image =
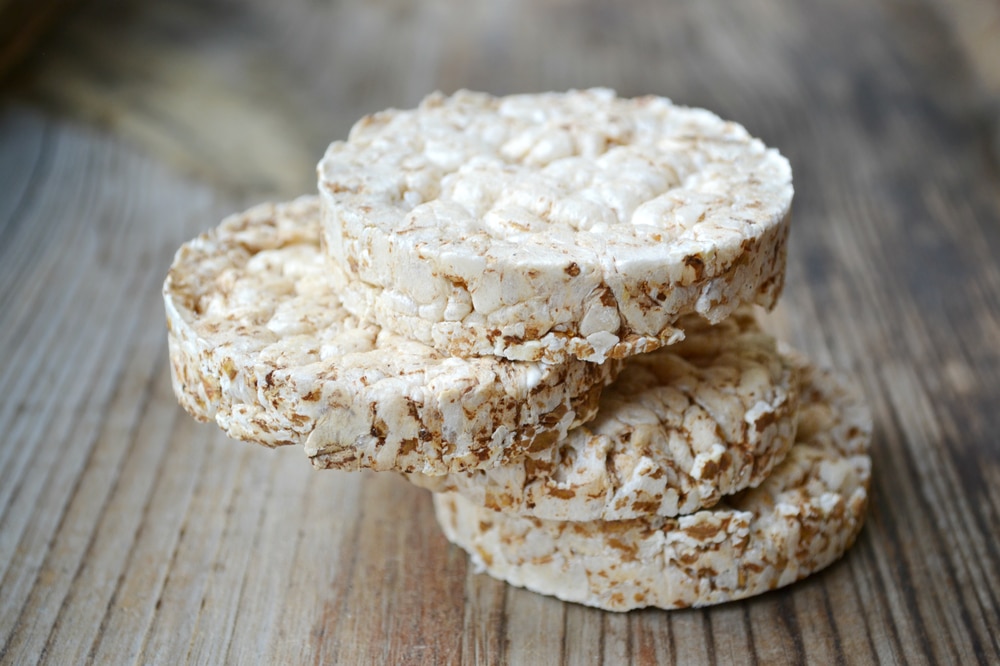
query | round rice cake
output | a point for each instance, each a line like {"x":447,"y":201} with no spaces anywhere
{"x":680,"y":428}
{"x":260,"y":342}
{"x":800,"y":519}
{"x":536,"y":226}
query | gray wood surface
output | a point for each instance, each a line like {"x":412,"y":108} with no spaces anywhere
{"x":131,"y":534}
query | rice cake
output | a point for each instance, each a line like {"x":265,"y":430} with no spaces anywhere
{"x":802,"y":518}
{"x":680,"y":428}
{"x":260,"y":343}
{"x":546,"y":225}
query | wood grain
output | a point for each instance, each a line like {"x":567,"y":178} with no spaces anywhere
{"x":131,"y":534}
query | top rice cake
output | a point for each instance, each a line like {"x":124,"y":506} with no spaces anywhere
{"x":539,"y":226}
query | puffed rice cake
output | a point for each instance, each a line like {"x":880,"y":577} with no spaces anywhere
{"x":545,"y":225}
{"x":680,"y":427}
{"x":799,"y":520}
{"x":260,"y":343}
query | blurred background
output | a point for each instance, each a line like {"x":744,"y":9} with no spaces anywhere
{"x":247,"y":93}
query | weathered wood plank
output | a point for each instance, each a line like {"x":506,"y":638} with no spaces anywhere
{"x":535,"y":630}
{"x":78,"y":406}
{"x":267,"y":576}
{"x":483,"y":624}
{"x":136,"y":600}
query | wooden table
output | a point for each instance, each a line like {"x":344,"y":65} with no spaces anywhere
{"x":130,"y":533}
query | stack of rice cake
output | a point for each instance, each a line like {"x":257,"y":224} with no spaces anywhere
{"x":541,"y":308}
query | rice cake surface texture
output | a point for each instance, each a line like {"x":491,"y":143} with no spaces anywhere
{"x":680,"y":427}
{"x":800,"y":519}
{"x":260,"y":342}
{"x":536,"y":226}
